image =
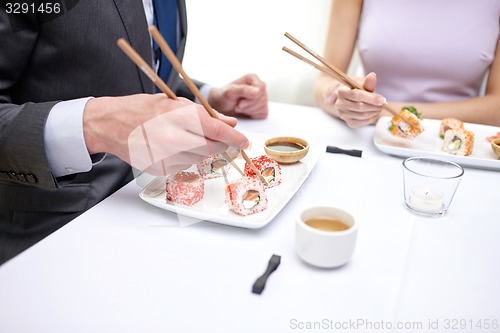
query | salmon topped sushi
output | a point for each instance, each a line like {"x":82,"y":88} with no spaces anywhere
{"x":449,"y":123}
{"x":246,"y":196}
{"x":268,"y":167}
{"x":399,"y":127}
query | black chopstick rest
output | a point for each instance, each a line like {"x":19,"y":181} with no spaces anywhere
{"x":350,"y":152}
{"x":259,"y":285}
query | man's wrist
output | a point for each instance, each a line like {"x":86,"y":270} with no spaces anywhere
{"x":205,"y":92}
{"x":64,"y":139}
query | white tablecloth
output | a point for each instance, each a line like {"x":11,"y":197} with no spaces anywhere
{"x":126,"y":266}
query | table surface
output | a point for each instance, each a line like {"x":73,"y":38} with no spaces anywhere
{"x":126,"y":266}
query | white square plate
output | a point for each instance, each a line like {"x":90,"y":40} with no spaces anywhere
{"x":212,"y":207}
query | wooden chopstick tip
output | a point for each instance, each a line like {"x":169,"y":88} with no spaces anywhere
{"x":152,"y":28}
{"x":121,"y":42}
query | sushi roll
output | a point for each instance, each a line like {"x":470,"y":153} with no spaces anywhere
{"x":246,"y":196}
{"x":186,"y":188}
{"x":449,"y":123}
{"x":268,"y":167}
{"x":458,"y":142}
{"x":213,"y":166}
{"x":399,"y":127}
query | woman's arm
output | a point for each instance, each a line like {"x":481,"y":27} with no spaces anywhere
{"x":358,"y":108}
{"x":339,"y":48}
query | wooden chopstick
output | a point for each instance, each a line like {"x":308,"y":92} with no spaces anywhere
{"x":146,"y":69}
{"x":343,"y":76}
{"x":165,"y":48}
{"x":335,"y":72}
{"x":315,"y":65}
{"x":157,"y":80}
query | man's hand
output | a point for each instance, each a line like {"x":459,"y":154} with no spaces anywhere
{"x":155,"y":133}
{"x":245,"y":96}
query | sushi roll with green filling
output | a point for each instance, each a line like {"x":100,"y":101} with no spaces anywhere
{"x":212,"y":166}
{"x":458,"y":142}
{"x":246,"y":196}
{"x":268,"y":168}
{"x":398,"y":127}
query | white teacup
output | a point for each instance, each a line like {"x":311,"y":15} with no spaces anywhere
{"x":325,"y":236}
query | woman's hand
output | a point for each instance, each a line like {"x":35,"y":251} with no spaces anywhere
{"x":356,"y":107}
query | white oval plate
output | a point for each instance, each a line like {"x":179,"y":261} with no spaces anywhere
{"x":430,"y":144}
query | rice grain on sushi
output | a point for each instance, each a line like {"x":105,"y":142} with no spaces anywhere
{"x":458,"y":142}
{"x":186,"y":188}
{"x":246,"y":196}
{"x":268,"y":167}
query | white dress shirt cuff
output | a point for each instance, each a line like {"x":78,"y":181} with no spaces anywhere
{"x":64,"y":140}
{"x":205,"y":92}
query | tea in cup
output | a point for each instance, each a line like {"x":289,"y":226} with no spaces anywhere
{"x":325,"y":236}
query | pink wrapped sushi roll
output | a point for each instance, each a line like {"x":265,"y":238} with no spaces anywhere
{"x":186,"y":188}
{"x":212,"y":166}
{"x":246,"y":196}
{"x":268,"y":167}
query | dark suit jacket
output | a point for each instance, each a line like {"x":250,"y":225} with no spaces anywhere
{"x":49,"y":58}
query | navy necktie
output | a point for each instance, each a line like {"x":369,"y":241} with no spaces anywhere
{"x":166,"y":22}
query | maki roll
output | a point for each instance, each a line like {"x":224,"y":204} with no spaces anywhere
{"x":212,"y":166}
{"x":458,"y":142}
{"x":186,"y":188}
{"x":268,"y":167}
{"x":246,"y":196}
{"x":449,"y":123}
{"x":399,"y":127}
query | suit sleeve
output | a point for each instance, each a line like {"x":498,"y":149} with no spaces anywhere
{"x":183,"y":90}
{"x":22,"y":153}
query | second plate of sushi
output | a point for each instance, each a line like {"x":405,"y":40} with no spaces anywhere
{"x":464,"y":143}
{"x":201,"y":192}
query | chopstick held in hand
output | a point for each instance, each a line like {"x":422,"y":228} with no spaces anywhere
{"x":157,"y":80}
{"x":162,"y":43}
{"x":335,"y":72}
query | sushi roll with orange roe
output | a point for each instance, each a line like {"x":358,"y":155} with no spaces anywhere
{"x":246,"y":196}
{"x":449,"y":123}
{"x":186,"y":188}
{"x":399,"y":127}
{"x":268,"y":167}
{"x":458,"y":142}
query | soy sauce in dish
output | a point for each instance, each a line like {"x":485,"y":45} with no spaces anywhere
{"x":285,"y":146}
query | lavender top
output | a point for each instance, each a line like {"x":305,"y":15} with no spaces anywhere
{"x":428,"y":50}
